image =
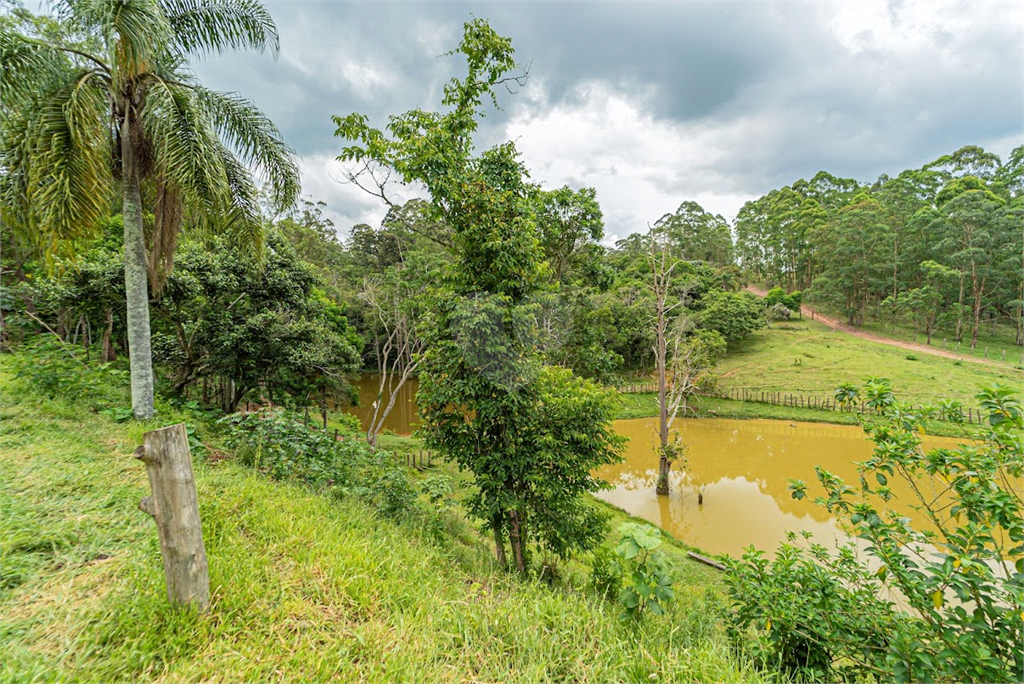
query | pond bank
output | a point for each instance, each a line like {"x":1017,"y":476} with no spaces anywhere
{"x":646,"y":406}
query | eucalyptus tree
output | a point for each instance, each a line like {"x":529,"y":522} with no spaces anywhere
{"x":107,"y":103}
{"x":698,"y":235}
{"x":970,"y":216}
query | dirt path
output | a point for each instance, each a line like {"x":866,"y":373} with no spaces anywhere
{"x":850,"y":330}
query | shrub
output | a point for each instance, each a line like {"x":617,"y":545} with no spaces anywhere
{"x":961,"y":581}
{"x":606,"y":572}
{"x":56,"y":369}
{"x":779,"y":312}
{"x":277,"y":442}
{"x":348,"y":424}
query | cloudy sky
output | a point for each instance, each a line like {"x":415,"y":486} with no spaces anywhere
{"x":653,"y":104}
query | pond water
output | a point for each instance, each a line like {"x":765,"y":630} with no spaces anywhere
{"x":402,"y":419}
{"x":742,"y":467}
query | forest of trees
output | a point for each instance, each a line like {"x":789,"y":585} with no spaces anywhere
{"x":939,"y":245}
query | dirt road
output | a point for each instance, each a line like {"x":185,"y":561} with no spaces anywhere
{"x":856,"y":332}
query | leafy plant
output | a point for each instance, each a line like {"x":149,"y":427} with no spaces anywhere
{"x":278,"y":443}
{"x":846,"y":394}
{"x":648,"y":577}
{"x":57,"y":369}
{"x":438,"y":490}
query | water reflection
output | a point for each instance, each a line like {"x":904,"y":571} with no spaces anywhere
{"x":742,"y":467}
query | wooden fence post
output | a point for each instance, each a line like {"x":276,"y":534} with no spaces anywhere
{"x":174,"y":506}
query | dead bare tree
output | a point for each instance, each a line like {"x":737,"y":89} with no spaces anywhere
{"x":668,"y":296}
{"x":396,"y":343}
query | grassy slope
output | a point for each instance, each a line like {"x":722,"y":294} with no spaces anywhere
{"x":305,"y":587}
{"x":808,"y":358}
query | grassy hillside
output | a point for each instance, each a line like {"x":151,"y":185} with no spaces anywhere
{"x":808,"y":358}
{"x":306,"y":587}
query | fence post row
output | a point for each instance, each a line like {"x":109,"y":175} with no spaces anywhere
{"x":781,"y":399}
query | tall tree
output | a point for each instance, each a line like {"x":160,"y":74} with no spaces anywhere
{"x":663,"y":265}
{"x":697,"y":235}
{"x":531,"y":434}
{"x":971,"y":215}
{"x":568,"y":221}
{"x":109,"y":102}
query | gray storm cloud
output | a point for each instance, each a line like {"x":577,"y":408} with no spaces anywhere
{"x":657,"y":103}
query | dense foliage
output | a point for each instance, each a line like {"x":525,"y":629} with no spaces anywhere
{"x":99,"y":98}
{"x":939,"y":245}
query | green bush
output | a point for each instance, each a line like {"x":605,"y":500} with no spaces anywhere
{"x":277,"y":442}
{"x":348,"y":424}
{"x":648,"y":577}
{"x":606,"y":572}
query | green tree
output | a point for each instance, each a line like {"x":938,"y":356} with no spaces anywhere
{"x":853,"y":267}
{"x":531,"y":434}
{"x":697,"y":235}
{"x":969,"y":214}
{"x":109,"y":101}
{"x":568,"y":221}
{"x":235,"y":325}
{"x":732,"y":314}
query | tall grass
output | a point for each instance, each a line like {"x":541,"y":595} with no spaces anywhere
{"x":305,"y":587}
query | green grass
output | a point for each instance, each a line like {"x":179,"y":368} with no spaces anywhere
{"x":806,"y":357}
{"x":996,"y":344}
{"x":305,"y":587}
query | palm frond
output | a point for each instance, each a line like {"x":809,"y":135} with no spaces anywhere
{"x":15,"y":162}
{"x":168,"y":209}
{"x":63,"y":160}
{"x":256,"y":140}
{"x":214,"y":184}
{"x":202,"y":26}
{"x":242,"y":220}
{"x":26,"y":63}
{"x":136,"y":31}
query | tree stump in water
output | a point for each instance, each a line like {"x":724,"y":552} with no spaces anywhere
{"x":175,"y":508}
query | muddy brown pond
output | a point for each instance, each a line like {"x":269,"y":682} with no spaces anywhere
{"x":742,"y":468}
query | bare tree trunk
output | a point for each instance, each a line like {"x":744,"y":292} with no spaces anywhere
{"x":662,"y":486}
{"x":109,"y":353}
{"x":136,"y":281}
{"x":978,"y":289}
{"x":174,"y":506}
{"x":959,"y":332}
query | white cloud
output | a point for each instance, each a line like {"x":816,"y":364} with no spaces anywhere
{"x":642,"y":167}
{"x":323,"y":179}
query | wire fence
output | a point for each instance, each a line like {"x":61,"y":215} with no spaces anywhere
{"x":797,"y":400}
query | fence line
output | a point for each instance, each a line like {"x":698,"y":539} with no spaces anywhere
{"x":794,"y":400}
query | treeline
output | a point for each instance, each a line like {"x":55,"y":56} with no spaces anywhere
{"x":939,"y":246}
{"x":595,"y":307}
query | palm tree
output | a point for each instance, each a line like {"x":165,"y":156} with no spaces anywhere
{"x":101,"y":99}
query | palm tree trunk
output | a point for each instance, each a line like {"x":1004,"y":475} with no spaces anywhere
{"x":136,"y":282}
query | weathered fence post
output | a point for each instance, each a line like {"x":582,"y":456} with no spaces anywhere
{"x":175,"y":508}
